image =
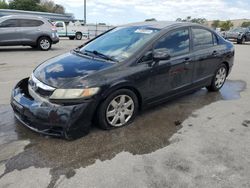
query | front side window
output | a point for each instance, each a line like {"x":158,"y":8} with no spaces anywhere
{"x":177,"y":42}
{"x":59,"y":24}
{"x":122,"y":42}
{"x":10,"y":23}
{"x":202,"y":38}
{"x":30,"y":23}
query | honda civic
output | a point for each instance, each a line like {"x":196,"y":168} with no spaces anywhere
{"x":112,"y":77}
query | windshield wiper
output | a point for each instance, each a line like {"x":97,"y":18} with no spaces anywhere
{"x":99,"y":54}
{"x":78,"y":51}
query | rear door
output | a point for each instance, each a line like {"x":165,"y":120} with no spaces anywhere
{"x":10,"y":32}
{"x":30,"y":30}
{"x":208,"y":54}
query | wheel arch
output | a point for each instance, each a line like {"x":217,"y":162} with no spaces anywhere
{"x":227,"y":65}
{"x":45,"y":35}
{"x":123,"y":86}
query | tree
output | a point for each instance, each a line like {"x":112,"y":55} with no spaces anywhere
{"x":216,"y":24}
{"x":50,"y":6}
{"x":36,"y":5}
{"x":150,"y":19}
{"x":3,"y":4}
{"x":245,"y":24}
{"x":30,"y":5}
{"x":194,"y":20}
{"x":226,"y":25}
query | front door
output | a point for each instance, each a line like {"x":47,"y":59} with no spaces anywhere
{"x":170,"y":76}
{"x":9,"y":32}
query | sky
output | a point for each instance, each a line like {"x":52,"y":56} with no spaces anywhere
{"x":126,"y":11}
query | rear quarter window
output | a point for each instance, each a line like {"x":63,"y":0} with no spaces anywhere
{"x":202,"y":38}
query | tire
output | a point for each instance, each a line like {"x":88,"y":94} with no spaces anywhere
{"x":78,"y":36}
{"x":44,"y":43}
{"x":71,"y":38}
{"x":219,"y":78}
{"x":241,"y":41}
{"x":122,"y":115}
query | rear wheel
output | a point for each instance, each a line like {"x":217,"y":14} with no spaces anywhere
{"x":219,"y":78}
{"x":44,"y":43}
{"x":78,"y":36}
{"x":119,"y":109}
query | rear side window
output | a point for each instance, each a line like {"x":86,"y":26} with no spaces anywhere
{"x":177,"y":42}
{"x":10,"y":23}
{"x":202,"y":38}
{"x":30,"y":23}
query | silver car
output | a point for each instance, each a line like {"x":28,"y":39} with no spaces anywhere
{"x":33,"y":31}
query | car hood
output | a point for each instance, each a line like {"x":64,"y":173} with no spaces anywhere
{"x":69,"y":70}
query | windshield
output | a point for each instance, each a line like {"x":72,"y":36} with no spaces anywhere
{"x":121,"y":43}
{"x":238,"y":30}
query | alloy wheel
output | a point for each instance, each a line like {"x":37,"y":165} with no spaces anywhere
{"x":120,"y":110}
{"x":45,"y":44}
{"x":220,"y":77}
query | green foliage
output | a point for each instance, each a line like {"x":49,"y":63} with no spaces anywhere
{"x":245,"y":24}
{"x":194,"y":20}
{"x":150,"y":19}
{"x":3,"y":4}
{"x":33,"y":5}
{"x":216,"y":24}
{"x":226,"y":25}
{"x":30,"y":5}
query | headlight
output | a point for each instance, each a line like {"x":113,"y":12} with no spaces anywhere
{"x":74,"y":93}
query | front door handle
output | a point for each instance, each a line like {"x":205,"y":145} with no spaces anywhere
{"x":215,"y":53}
{"x":187,"y":61}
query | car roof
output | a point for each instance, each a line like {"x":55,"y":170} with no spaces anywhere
{"x":159,"y":24}
{"x":23,"y":17}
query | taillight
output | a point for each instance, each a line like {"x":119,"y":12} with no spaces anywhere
{"x":53,"y":28}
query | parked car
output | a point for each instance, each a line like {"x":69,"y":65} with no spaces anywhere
{"x":239,"y":34}
{"x":110,"y":78}
{"x":36,"y":32}
{"x":77,"y":30}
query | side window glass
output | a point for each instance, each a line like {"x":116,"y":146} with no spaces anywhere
{"x":59,"y":24}
{"x":177,"y":42}
{"x":202,"y":38}
{"x":30,"y":23}
{"x":9,"y":23}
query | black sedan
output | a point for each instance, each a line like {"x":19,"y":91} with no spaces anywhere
{"x":110,"y":78}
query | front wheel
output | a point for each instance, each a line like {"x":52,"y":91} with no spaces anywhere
{"x":119,"y":109}
{"x":219,"y":78}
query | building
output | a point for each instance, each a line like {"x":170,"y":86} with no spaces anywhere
{"x":52,"y":16}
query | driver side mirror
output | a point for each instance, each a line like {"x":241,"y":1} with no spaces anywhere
{"x":161,"y":54}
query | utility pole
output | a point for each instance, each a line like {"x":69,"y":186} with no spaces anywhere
{"x":85,"y":13}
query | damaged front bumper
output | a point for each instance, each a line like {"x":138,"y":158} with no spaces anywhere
{"x":60,"y":120}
